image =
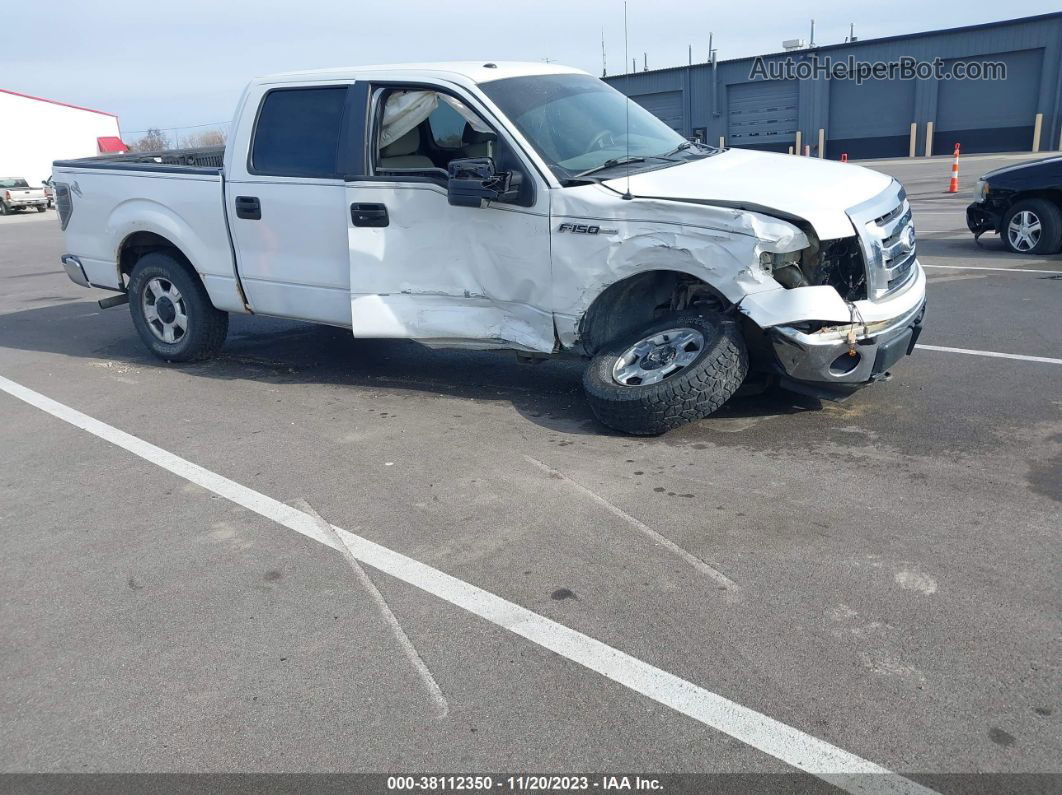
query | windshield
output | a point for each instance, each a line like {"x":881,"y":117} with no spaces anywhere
{"x":577,"y":123}
{"x":13,"y":183}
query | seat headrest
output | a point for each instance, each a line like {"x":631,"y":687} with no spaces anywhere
{"x":472,"y":136}
{"x":406,"y":145}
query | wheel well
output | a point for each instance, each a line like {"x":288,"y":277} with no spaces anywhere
{"x":1050,"y":194}
{"x":138,"y":244}
{"x":638,"y":300}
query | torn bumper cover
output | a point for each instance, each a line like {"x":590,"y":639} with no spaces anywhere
{"x":981,"y":219}
{"x":827,"y":364}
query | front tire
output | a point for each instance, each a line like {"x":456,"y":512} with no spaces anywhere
{"x":172,"y":312}
{"x":1033,"y":226}
{"x":677,"y":370}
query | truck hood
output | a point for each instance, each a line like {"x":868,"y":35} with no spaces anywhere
{"x":817,"y":191}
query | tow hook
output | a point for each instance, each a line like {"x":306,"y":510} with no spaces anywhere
{"x":850,"y":338}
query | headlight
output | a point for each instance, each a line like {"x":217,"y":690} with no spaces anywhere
{"x":981,"y":190}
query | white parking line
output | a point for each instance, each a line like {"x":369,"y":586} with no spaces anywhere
{"x":985,"y":268}
{"x":993,"y":354}
{"x":783,"y":742}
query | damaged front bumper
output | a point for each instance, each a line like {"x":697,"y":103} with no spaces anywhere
{"x":829,"y":364}
{"x":980,"y":219}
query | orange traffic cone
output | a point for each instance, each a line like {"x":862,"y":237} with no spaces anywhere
{"x":953,"y":186}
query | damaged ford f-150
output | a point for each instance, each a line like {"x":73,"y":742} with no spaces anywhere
{"x":529,"y":207}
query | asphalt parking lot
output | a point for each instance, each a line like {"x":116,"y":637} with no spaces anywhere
{"x":883,"y":574}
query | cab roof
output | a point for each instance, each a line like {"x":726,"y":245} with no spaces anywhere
{"x":474,"y":71}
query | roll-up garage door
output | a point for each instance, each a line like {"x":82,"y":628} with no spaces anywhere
{"x":665,"y":105}
{"x":870,"y":120}
{"x":990,"y":115}
{"x":762,"y":114}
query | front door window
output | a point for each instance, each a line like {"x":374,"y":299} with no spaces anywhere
{"x":421,"y":131}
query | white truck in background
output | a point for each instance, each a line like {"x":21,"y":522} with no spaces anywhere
{"x":16,"y":194}
{"x":520,"y":206}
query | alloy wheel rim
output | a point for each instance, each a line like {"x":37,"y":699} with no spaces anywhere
{"x":165,"y":310}
{"x":1024,"y":231}
{"x":658,"y":357}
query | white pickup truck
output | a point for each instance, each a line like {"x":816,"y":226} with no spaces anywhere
{"x":16,"y":194}
{"x":519,"y":206}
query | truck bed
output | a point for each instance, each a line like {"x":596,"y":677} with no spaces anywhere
{"x":204,"y":157}
{"x":148,"y":198}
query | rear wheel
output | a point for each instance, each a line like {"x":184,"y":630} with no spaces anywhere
{"x":677,"y":370}
{"x":4,"y":209}
{"x":41,"y":208}
{"x":1033,"y":226}
{"x":172,"y":312}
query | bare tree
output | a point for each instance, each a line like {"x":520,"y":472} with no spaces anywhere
{"x":202,"y":140}
{"x":213,"y":138}
{"x":154,"y":140}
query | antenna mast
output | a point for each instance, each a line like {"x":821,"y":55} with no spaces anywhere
{"x":627,"y":107}
{"x":604,"y":64}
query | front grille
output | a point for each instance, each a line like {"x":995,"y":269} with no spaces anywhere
{"x":886,"y":236}
{"x":897,"y":258}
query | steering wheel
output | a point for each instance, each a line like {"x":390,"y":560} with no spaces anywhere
{"x":602,"y":140}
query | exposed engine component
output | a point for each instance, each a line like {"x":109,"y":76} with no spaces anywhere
{"x":837,"y":263}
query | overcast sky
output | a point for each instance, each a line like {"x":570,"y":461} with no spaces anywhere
{"x":177,"y":63}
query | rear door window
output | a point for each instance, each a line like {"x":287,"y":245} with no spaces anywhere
{"x":298,"y":131}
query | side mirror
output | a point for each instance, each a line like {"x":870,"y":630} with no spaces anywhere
{"x":472,"y":180}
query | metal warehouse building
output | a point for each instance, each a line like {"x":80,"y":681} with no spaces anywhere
{"x":882,"y":117}
{"x":35,"y":131}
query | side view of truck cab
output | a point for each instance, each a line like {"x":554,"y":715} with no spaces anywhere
{"x":515,"y":206}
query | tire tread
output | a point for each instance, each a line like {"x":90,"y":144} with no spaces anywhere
{"x":208,"y":326}
{"x":695,"y":393}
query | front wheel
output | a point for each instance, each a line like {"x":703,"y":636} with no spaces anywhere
{"x":677,"y":370}
{"x":172,"y":312}
{"x":1033,"y":226}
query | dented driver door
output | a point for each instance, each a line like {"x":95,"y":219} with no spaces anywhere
{"x":423,"y":269}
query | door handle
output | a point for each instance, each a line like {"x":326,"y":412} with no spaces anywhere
{"x":369,"y":215}
{"x":248,"y":207}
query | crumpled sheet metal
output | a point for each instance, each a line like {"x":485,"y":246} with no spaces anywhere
{"x":718,"y":245}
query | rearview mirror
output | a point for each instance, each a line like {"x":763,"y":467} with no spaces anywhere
{"x":473,"y":180}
